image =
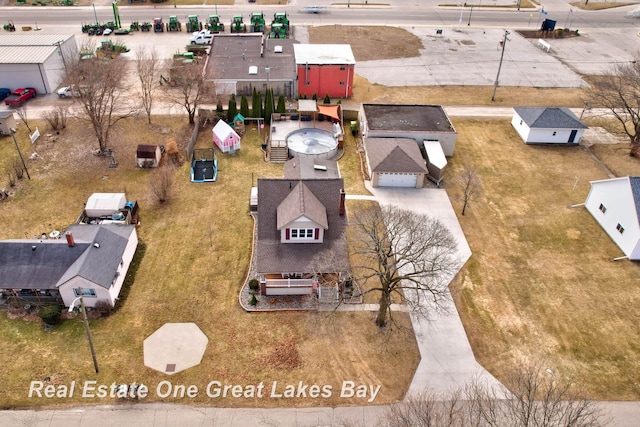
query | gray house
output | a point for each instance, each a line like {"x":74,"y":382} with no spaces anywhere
{"x":299,"y":221}
{"x":94,"y":258}
{"x":547,"y":125}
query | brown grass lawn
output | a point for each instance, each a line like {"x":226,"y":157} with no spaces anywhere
{"x":197,"y":255}
{"x":539,"y":283}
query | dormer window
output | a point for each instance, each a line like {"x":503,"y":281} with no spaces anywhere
{"x":302,"y":233}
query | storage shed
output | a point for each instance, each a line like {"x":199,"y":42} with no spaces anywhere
{"x":148,"y":156}
{"x":227,"y":140}
{"x":104,"y":204}
{"x":35,"y":60}
{"x":550,"y":125}
{"x":436,"y":160}
{"x":7,"y":122}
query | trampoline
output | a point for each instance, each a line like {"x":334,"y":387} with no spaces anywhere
{"x":204,"y":165}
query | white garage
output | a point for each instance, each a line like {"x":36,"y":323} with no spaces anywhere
{"x":397,"y":180}
{"x":34,"y":60}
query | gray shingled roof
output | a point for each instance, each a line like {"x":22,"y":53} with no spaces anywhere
{"x":275,"y":257}
{"x":53,"y":262}
{"x":301,"y":202}
{"x":395,"y":155}
{"x":302,"y":167}
{"x":634,"y":181}
{"x":549,"y":118}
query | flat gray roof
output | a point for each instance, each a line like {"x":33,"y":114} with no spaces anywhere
{"x":413,"y":118}
{"x":324,"y":54}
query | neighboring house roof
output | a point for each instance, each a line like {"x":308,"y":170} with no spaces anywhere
{"x":29,"y":48}
{"x":275,"y":257}
{"x":307,"y":105}
{"x":301,"y":202}
{"x":400,"y":155}
{"x":53,"y":262}
{"x":409,"y":118}
{"x":549,"y":118}
{"x":323,"y":54}
{"x":222,"y":130}
{"x":308,"y":167}
{"x":634,"y":181}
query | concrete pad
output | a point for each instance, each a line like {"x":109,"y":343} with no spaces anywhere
{"x":447,"y":360}
{"x":175,"y":347}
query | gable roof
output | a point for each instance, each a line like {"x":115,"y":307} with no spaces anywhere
{"x":400,"y":155}
{"x":54,"y":262}
{"x":549,"y":118}
{"x":222,"y":130}
{"x":275,"y":257}
{"x":301,"y":202}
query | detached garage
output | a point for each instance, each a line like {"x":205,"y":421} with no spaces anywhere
{"x":34,"y":60}
{"x":538,"y":125}
{"x":395,"y":162}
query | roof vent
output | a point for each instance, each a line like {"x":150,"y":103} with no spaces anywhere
{"x":96,"y":245}
{"x":253,"y":70}
{"x":320,"y":167}
{"x":33,"y":247}
{"x":277,"y":49}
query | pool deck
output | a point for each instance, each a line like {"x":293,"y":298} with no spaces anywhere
{"x":285,"y":127}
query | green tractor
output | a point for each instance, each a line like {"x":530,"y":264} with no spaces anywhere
{"x":281,"y":18}
{"x":237,"y":25}
{"x":257,"y":23}
{"x":214,"y":25}
{"x":146,"y":26}
{"x":193,"y":24}
{"x":9,"y":26}
{"x":135,"y":26}
{"x":278,"y":31}
{"x":174,"y":24}
{"x":158,"y":26}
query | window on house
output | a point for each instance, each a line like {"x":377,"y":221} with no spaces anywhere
{"x":603,"y":208}
{"x":620,"y":228}
{"x":341,"y":83}
{"x":301,"y":233}
{"x":554,"y":133}
{"x":85,"y":292}
{"x":342,"y":68}
{"x":520,"y":121}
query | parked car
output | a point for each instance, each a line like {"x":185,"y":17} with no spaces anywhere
{"x":20,"y":96}
{"x":68,"y":92}
{"x":4,"y":92}
{"x":201,"y":37}
{"x":314,"y":9}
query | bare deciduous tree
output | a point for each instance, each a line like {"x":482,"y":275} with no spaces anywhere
{"x":190,"y":88}
{"x":533,"y":396}
{"x":618,"y":92}
{"x":99,"y":82}
{"x":57,"y":117}
{"x":161,"y":183}
{"x":408,"y":256}
{"x":22,"y":112}
{"x":148,"y":68}
{"x":468,"y":182}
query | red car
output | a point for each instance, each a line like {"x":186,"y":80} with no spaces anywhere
{"x":19,"y":96}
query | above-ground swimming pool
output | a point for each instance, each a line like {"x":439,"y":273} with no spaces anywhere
{"x":312,"y":142}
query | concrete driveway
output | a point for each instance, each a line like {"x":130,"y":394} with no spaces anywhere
{"x":447,"y":361}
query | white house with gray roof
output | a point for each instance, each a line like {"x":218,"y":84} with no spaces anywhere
{"x":615,"y":205}
{"x":94,"y":258}
{"x":547,"y":125}
{"x":35,"y":60}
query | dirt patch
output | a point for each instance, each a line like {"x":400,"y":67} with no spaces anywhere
{"x":556,"y":34}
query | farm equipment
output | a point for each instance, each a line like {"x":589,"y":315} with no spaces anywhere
{"x":214,"y":25}
{"x":146,"y":26}
{"x":109,"y":49}
{"x":174,"y":24}
{"x":135,"y":26}
{"x":158,"y":26}
{"x":281,"y":18}
{"x":278,"y":31}
{"x":193,"y":24}
{"x":257,"y":23}
{"x":237,"y":25}
{"x":9,"y":26}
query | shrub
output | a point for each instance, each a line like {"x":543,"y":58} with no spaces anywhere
{"x":161,"y":184}
{"x":254,"y":285}
{"x":103,"y":308}
{"x":254,"y":300}
{"x":50,"y":314}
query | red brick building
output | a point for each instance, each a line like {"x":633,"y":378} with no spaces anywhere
{"x":324,"y":69}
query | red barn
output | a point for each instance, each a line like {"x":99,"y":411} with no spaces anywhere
{"x":324,"y":69}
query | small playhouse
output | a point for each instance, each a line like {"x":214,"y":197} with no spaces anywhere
{"x":227,"y":140}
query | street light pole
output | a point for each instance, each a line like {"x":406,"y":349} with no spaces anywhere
{"x":24,"y":165}
{"x":94,"y":12}
{"x":469,"y":23}
{"x":495,"y":85}
{"x":86,"y":325}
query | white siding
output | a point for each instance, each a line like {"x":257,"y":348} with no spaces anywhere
{"x":67,"y":294}
{"x":15,"y":76}
{"x":520,"y":126}
{"x":615,"y":195}
{"x":127,"y":257}
{"x":544,"y":135}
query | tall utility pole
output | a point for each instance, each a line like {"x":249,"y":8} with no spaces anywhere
{"x":86,"y":326}
{"x":495,"y":85}
{"x":24,"y":165}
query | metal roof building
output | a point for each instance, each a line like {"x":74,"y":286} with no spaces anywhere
{"x":34,"y":60}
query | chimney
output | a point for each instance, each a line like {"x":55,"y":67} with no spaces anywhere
{"x":70,"y":240}
{"x":341,"y":209}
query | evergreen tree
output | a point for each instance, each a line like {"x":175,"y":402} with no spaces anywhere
{"x":327,"y":99}
{"x":281,"y":105}
{"x":220,"y":110}
{"x":244,"y":106}
{"x":268,"y":105}
{"x":255,"y":107}
{"x":258,"y":112}
{"x":315,"y":96}
{"x":233,"y":109}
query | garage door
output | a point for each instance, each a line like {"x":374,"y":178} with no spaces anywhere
{"x":397,"y":180}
